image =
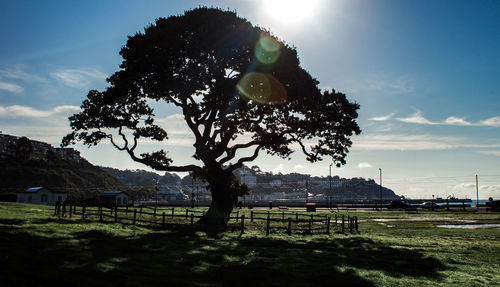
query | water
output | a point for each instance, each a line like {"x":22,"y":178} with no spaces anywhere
{"x":481,"y":202}
{"x":471,"y":226}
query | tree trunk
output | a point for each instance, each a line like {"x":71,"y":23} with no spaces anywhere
{"x":219,"y":210}
{"x":224,"y":188}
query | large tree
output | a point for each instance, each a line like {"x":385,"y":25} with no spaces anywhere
{"x":238,"y":87}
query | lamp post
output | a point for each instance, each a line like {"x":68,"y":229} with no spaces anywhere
{"x":432,"y":204}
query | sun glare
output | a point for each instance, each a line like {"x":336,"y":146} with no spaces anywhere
{"x":290,"y":10}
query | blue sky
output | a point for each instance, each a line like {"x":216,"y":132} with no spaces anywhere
{"x":426,"y":74}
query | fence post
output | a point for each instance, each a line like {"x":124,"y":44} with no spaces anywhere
{"x":140,"y":212}
{"x":242,"y":223}
{"x":173,"y":211}
{"x":63,"y":209}
{"x":296,"y":217}
{"x":55,"y":208}
{"x":237,"y":215}
{"x":116,"y":214}
{"x":310,"y":226}
{"x":251,"y":216}
{"x":100,"y":213}
{"x":154,"y":214}
{"x":163,"y":219}
{"x":328,"y":225}
{"x":335,"y":220}
{"x":267,"y":224}
{"x":192,"y":218}
{"x":126,"y":209}
{"x":343,"y":226}
{"x":135,"y":216}
{"x":463,"y":204}
{"x":70,"y":211}
{"x":203,"y":213}
{"x":356,"y":224}
{"x":289,"y":226}
{"x":283,"y":216}
{"x":83,"y":212}
{"x":351,"y":224}
{"x":187,"y":210}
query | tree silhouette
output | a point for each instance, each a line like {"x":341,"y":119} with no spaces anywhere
{"x":239,"y":88}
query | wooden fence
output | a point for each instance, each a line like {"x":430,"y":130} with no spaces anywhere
{"x":285,"y":221}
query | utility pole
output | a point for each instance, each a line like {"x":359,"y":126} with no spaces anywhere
{"x":380,"y":187}
{"x":477,"y":193}
{"x":244,"y":183}
{"x":331,"y":193}
{"x":156,"y":192}
{"x":307,"y":190}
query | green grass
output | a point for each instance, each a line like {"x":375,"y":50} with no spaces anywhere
{"x":38,"y":249}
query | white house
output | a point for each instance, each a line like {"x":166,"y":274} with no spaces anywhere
{"x":171,"y":195}
{"x":41,"y":195}
{"x":118,"y":198}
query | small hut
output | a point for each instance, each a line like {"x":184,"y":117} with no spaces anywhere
{"x":114,"y":198}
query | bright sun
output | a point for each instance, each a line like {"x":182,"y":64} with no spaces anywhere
{"x":290,"y":10}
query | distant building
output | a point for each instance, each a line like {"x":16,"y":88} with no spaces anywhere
{"x":276,"y":183}
{"x":39,"y":150}
{"x":170,"y":195}
{"x":41,"y":195}
{"x":115,"y":198}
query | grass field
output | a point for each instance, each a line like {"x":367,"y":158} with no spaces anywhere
{"x":38,"y":249}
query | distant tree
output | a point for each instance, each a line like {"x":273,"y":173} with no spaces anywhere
{"x":24,"y":148}
{"x":232,"y":81}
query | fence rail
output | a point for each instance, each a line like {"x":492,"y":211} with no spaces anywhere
{"x":290,"y":222}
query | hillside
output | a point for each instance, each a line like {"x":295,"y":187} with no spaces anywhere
{"x":142,"y":178}
{"x":26,"y":163}
{"x":74,"y":178}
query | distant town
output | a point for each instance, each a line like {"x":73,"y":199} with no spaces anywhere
{"x":145,"y":185}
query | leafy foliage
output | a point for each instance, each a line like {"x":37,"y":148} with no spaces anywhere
{"x":201,"y":62}
{"x":238,"y":86}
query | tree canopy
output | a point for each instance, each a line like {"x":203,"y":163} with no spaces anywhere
{"x":238,"y":86}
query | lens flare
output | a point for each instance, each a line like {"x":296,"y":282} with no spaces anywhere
{"x":267,"y":50}
{"x":262,"y":88}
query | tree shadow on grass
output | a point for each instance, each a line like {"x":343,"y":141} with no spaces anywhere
{"x":188,"y":258}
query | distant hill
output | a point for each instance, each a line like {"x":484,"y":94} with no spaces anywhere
{"x":142,"y":178}
{"x":26,"y":163}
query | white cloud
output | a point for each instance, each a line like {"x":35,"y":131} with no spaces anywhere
{"x":17,"y":111}
{"x":403,"y":142}
{"x":78,"y":78}
{"x":417,"y":118}
{"x":464,"y":186}
{"x":17,"y":72}
{"x":491,"y":190}
{"x":10,"y":87}
{"x":279,"y":168}
{"x":492,"y":122}
{"x":383,"y":118}
{"x":174,"y":125}
{"x":456,"y":121}
{"x":383,"y":84}
{"x":364,"y":165}
{"x":298,"y":167}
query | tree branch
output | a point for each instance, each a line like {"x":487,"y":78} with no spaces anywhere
{"x":231,"y":152}
{"x":240,"y":162}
